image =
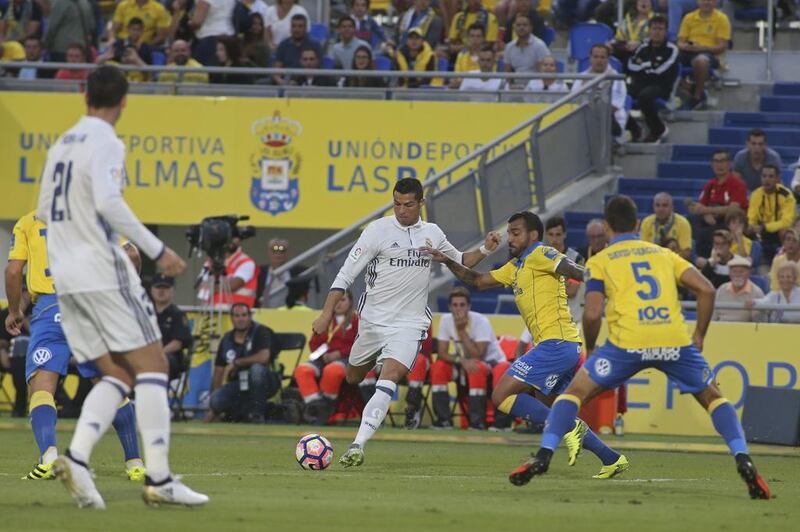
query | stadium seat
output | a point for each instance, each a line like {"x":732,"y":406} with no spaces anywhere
{"x":585,"y":35}
{"x":703,"y":152}
{"x":755,"y":254}
{"x":290,"y":342}
{"x":328,"y":62}
{"x":159,"y":58}
{"x":675,"y":187}
{"x":443,"y":65}
{"x":382,"y":62}
{"x":761,"y":282}
{"x":549,"y":35}
{"x":750,"y":14}
{"x":786,"y":89}
{"x":782,"y":119}
{"x":319,"y":32}
{"x":685,"y":170}
{"x":644,"y":203}
{"x":788,"y":104}
{"x":738,"y":136}
{"x":560,"y":67}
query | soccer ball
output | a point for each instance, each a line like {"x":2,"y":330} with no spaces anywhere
{"x":314,"y":452}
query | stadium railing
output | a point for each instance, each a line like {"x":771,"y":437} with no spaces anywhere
{"x":508,"y":174}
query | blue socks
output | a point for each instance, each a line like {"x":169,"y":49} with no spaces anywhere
{"x":560,"y":421}
{"x":125,"y":425}
{"x":727,"y":424}
{"x":606,"y":454}
{"x":43,"y":422}
{"x":527,"y":407}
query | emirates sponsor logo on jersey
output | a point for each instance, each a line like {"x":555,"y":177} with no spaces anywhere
{"x":412,"y":259}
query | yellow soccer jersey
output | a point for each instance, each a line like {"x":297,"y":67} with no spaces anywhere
{"x":540,"y":293}
{"x":640,"y":281}
{"x":29,"y":243}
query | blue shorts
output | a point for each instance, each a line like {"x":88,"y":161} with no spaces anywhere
{"x":610,"y":366}
{"x":48,"y":348}
{"x":548,"y":367}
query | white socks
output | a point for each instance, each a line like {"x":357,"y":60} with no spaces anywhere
{"x":152,"y":417}
{"x":97,"y":413}
{"x":375,"y":410}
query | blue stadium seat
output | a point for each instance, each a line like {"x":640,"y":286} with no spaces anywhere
{"x":585,"y":35}
{"x":761,"y":282}
{"x":762,"y":120}
{"x":703,"y":152}
{"x":159,"y":58}
{"x":319,"y":32}
{"x":786,"y":176}
{"x":675,"y":187}
{"x":750,"y":14}
{"x":443,"y":64}
{"x":560,"y":66}
{"x":738,"y":136}
{"x":786,"y":89}
{"x":328,"y":62}
{"x":788,"y":104}
{"x":382,"y":62}
{"x":549,"y":35}
{"x":755,"y":254}
{"x":644,"y":203}
{"x":685,"y":170}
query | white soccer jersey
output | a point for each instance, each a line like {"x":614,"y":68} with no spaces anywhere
{"x":398,"y":276}
{"x":479,"y":329}
{"x":81,"y":203}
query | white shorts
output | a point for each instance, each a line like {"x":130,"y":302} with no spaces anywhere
{"x":116,"y":321}
{"x":377,"y":342}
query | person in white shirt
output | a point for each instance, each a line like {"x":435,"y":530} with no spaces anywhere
{"x":476,"y":351}
{"x":106,"y":315}
{"x":788,"y":295}
{"x":278,"y":21}
{"x":547,"y":65}
{"x":209,"y":20}
{"x":487,"y":66}
{"x":599,"y":65}
{"x":393,"y":310}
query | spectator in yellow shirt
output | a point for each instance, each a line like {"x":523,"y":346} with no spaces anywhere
{"x":156,"y":20}
{"x":702,"y":39}
{"x":474,"y":13}
{"x":772,"y":210}
{"x":791,"y":252}
{"x":467,"y":59}
{"x":665,"y":223}
{"x":180,"y":55}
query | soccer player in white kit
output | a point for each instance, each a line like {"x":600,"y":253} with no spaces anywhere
{"x":105,"y":313}
{"x":393,"y":311}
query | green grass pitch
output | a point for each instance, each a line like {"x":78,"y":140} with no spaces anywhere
{"x":411,"y":481}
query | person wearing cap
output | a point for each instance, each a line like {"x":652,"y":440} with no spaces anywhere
{"x":270,"y":283}
{"x":740,"y":289}
{"x":416,"y":55}
{"x":175,"y":333}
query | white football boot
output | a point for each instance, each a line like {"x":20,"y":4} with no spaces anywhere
{"x":173,"y":492}
{"x":79,"y":482}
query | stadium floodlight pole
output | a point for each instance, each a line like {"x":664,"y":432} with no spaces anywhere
{"x":356,"y":226}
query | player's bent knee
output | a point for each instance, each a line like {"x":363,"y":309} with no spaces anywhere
{"x":44,"y":381}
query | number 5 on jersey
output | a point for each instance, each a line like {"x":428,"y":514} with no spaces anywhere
{"x":641,"y":276}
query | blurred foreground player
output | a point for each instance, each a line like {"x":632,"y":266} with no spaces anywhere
{"x":640,"y":279}
{"x":537,"y":274}
{"x":393,"y":311}
{"x":106,"y":314}
{"x":48,"y":354}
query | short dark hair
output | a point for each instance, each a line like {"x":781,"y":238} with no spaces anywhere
{"x":723,"y":152}
{"x":135,"y":21}
{"x":736,"y":215}
{"x":407,"y":185}
{"x":299,"y":16}
{"x":31,"y":38}
{"x":771,"y":167}
{"x":621,"y":214}
{"x":603,"y":46}
{"x":756,"y":132}
{"x":459,"y":291}
{"x":477,"y":26}
{"x":309,"y":48}
{"x":346,"y":18}
{"x":658,"y":18}
{"x":555,"y":221}
{"x":106,"y":87}
{"x":532,"y":221}
{"x":238,"y":304}
{"x":486,"y":47}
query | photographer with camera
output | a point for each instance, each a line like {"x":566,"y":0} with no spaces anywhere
{"x":229,"y":275}
{"x":245,"y":362}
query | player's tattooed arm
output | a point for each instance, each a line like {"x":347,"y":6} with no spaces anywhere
{"x":481,"y":281}
{"x":569,"y":269}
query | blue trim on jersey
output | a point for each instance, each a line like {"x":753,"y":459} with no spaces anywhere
{"x":527,"y":252}
{"x":622,"y":237}
{"x":595,"y":285}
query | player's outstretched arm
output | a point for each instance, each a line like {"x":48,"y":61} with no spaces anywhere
{"x":705,"y":293}
{"x":569,"y":269}
{"x":481,"y":281}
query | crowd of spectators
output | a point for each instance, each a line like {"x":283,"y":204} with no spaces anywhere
{"x":454,"y":33}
